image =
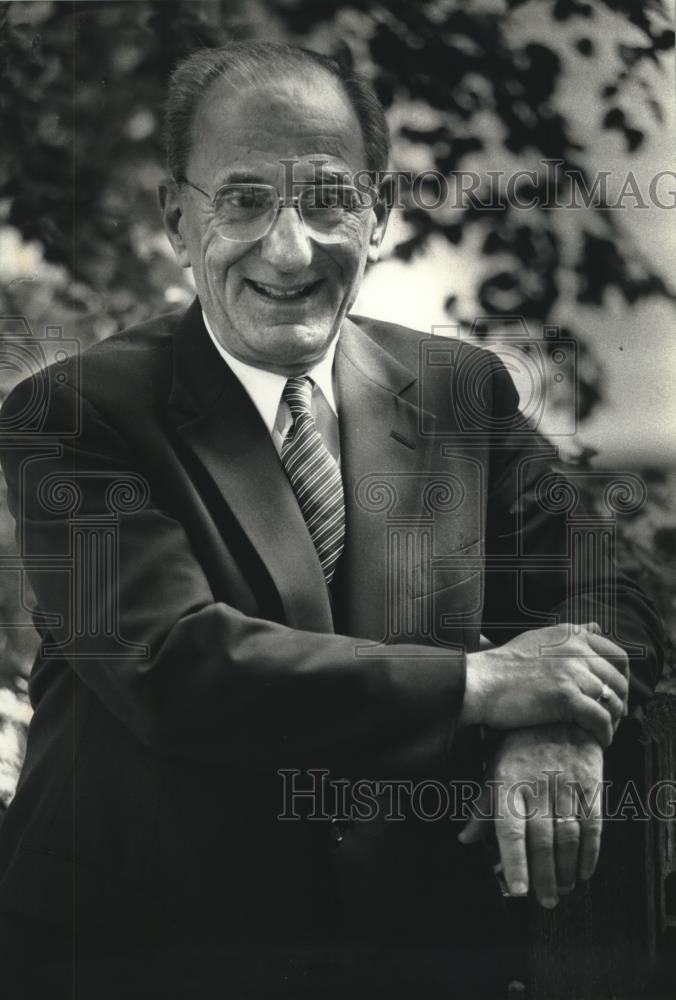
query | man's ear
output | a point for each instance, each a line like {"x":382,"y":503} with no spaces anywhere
{"x":172,"y":215}
{"x":382,"y":214}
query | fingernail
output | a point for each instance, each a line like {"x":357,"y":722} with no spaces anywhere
{"x":549,"y":902}
{"x":565,"y":890}
{"x":518,"y":889}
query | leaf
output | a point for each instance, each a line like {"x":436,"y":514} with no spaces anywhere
{"x":634,"y":138}
{"x":614,"y":119}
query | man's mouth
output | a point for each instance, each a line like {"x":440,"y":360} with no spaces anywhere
{"x":283,"y":293}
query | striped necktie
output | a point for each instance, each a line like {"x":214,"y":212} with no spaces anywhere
{"x":314,"y":476}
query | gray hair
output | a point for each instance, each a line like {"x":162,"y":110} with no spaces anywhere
{"x":262,"y":62}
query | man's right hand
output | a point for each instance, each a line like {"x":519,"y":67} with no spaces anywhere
{"x":554,"y":674}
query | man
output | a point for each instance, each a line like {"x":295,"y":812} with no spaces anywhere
{"x":238,"y":622}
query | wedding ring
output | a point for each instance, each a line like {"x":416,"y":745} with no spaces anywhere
{"x":566,"y":819}
{"x":604,"y":697}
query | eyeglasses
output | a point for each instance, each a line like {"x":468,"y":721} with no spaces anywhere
{"x":244,"y":213}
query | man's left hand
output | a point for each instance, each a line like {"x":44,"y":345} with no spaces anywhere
{"x":545,"y":794}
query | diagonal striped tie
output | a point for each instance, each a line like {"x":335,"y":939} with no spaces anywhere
{"x":314,"y":476}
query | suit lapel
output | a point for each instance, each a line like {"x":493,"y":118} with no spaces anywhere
{"x":217,"y":420}
{"x":380,"y":444}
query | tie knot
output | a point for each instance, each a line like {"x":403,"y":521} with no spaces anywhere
{"x":298,"y":395}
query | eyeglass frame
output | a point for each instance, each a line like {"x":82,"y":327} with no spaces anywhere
{"x":282,"y":202}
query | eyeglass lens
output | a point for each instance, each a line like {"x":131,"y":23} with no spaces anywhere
{"x":330,"y":213}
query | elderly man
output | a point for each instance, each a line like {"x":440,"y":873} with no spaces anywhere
{"x":234,"y":639}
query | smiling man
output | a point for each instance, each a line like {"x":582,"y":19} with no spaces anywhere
{"x":276,"y":290}
{"x":252,"y":461}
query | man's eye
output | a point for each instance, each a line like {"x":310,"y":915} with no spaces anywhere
{"x":240,"y":203}
{"x":242,"y":198}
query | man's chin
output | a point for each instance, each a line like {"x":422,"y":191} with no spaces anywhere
{"x":295,"y":345}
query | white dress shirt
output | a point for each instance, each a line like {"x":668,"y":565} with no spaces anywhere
{"x":265,"y":391}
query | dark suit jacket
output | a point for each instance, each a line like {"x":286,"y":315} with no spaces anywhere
{"x":173,"y":684}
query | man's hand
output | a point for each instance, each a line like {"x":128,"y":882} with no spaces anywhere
{"x":547,"y":809}
{"x":15,"y":715}
{"x":562,"y":673}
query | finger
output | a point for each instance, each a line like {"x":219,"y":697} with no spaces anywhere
{"x":566,"y":839}
{"x":591,"y":827}
{"x":594,"y":687}
{"x":610,"y":651}
{"x":510,"y":831}
{"x":480,"y":820}
{"x":540,"y":850}
{"x":592,"y":716}
{"x":541,"y":862}
{"x":607,"y":672}
{"x":474,"y":831}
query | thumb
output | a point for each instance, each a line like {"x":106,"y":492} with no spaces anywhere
{"x":473,"y":831}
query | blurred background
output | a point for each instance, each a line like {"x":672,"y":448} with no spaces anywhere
{"x":495,"y":85}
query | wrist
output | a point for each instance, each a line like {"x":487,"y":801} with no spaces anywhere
{"x":474,"y":701}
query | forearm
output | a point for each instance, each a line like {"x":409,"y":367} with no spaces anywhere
{"x":224,"y":687}
{"x":198,"y":679}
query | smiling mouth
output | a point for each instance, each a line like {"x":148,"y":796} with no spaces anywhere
{"x":280,"y":293}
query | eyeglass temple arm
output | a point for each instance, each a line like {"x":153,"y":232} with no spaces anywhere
{"x":181,"y":179}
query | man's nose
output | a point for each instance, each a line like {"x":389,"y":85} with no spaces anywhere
{"x":287,"y":246}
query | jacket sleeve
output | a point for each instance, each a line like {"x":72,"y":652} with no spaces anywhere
{"x":546,"y":556}
{"x":189,"y":676}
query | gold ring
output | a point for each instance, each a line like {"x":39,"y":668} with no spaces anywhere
{"x":566,"y":819}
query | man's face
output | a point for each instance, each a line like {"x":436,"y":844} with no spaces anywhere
{"x":275,"y":303}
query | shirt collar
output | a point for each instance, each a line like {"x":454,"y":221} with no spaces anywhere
{"x":265,"y":388}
